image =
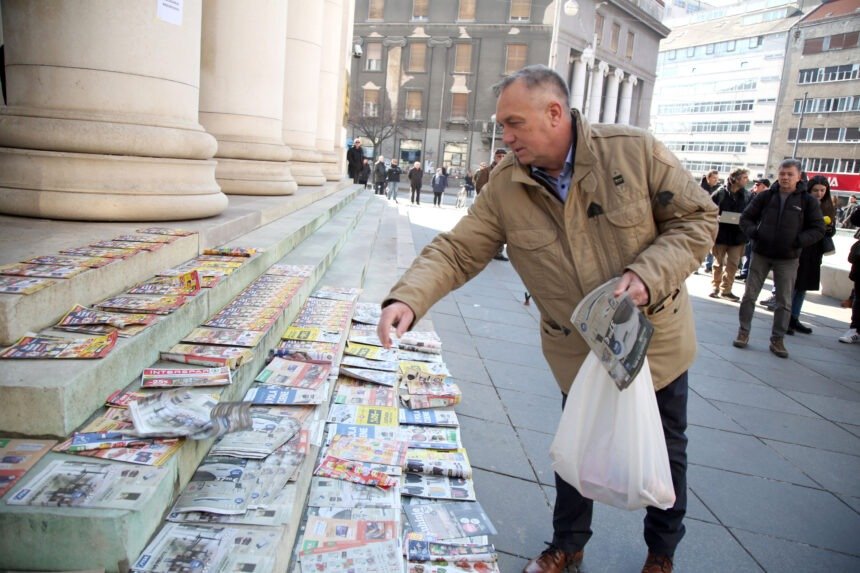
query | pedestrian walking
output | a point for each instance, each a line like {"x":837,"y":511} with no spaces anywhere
{"x":364,"y":174}
{"x":354,"y":160}
{"x":392,"y":178}
{"x":852,"y":335}
{"x":439,"y":183}
{"x":416,"y":180}
{"x":728,"y":248}
{"x":380,"y":174}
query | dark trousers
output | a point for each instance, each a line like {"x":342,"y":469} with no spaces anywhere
{"x":416,"y":196}
{"x":437,"y":198}
{"x":855,"y":308}
{"x":664,"y":529}
{"x":379,"y":188}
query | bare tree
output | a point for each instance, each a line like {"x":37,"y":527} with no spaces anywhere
{"x":377,"y":126}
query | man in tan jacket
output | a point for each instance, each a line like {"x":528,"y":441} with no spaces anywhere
{"x":579,"y":204}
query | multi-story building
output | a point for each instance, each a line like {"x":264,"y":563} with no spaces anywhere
{"x":430,"y":66}
{"x":718,"y":83}
{"x":818,"y":112}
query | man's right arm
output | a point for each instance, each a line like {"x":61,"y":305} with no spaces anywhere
{"x":751,"y":215}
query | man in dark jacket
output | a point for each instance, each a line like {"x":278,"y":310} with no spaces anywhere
{"x":380,"y":176}
{"x":354,"y":159}
{"x":779,"y":222}
{"x":732,"y":199}
{"x":416,"y":179}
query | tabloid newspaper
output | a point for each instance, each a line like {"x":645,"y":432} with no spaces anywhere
{"x":328,"y":492}
{"x":420,"y":551}
{"x":111,"y":253}
{"x":367,"y":313}
{"x":429,"y":417}
{"x":17,"y":456}
{"x":206,"y":355}
{"x":438,"y":487}
{"x":42,"y":271}
{"x":146,"y":238}
{"x":185,"y":413}
{"x":382,"y":557}
{"x":350,"y":391}
{"x":310,"y":333}
{"x":427,"y":342}
{"x":366,"y":374}
{"x":151,"y":304}
{"x":271,"y":428}
{"x":223,"y":337}
{"x":182,"y":547}
{"x":448,"y":463}
{"x":240,"y":322}
{"x":186,"y":284}
{"x":371,"y":352}
{"x":615,"y":330}
{"x":357,"y":362}
{"x":431,"y":437}
{"x":220,"y":485}
{"x":37,"y":347}
{"x":380,"y":451}
{"x":360,"y":414}
{"x":23,"y":285}
{"x":71,"y":261}
{"x":453,"y":566}
{"x":304,"y":351}
{"x":294,"y":373}
{"x":83,"y":316}
{"x":357,"y":472}
{"x":165,"y":231}
{"x":448,"y":520}
{"x":363,"y":430}
{"x":185,"y":377}
{"x":266,"y":394}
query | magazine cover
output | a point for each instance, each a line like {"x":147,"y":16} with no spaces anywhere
{"x":303,"y":351}
{"x":371,"y":352}
{"x":431,"y":437}
{"x":418,"y":551}
{"x":328,"y":492}
{"x":434,"y":417}
{"x":130,"y":245}
{"x":223,"y":337}
{"x":165,"y":231}
{"x":17,"y":456}
{"x":360,"y":414}
{"x":367,"y":313}
{"x":325,"y":529}
{"x":231,"y":251}
{"x":98,"y":252}
{"x":204,"y":355}
{"x":23,"y":285}
{"x":448,"y":463}
{"x":81,"y":315}
{"x":293,"y":373}
{"x":615,"y":330}
{"x":428,"y":342}
{"x":64,"y":483}
{"x":449,"y":519}
{"x":187,"y":549}
{"x":350,"y":391}
{"x":240,"y":323}
{"x":363,"y":431}
{"x":261,"y":313}
{"x":185,"y":377}
{"x":377,"y":451}
{"x":43,"y":271}
{"x":389,"y":379}
{"x":283,"y":395}
{"x":142,"y":303}
{"x":381,"y":557}
{"x":311,"y":334}
{"x":438,"y":487}
{"x":358,"y":362}
{"x":186,"y":284}
{"x":301,"y":271}
{"x":62,"y":348}
{"x":71,"y":261}
{"x":356,"y":472}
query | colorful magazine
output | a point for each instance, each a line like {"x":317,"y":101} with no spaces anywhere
{"x":335,"y":557}
{"x":202,"y":355}
{"x":17,"y":456}
{"x":186,"y":284}
{"x":52,"y":347}
{"x":438,"y":487}
{"x":359,"y":414}
{"x":165,"y":231}
{"x":350,"y":391}
{"x":231,"y":251}
{"x":421,"y":551}
{"x":377,"y":451}
{"x":293,"y":373}
{"x":318,"y":352}
{"x":81,"y":315}
{"x":83,"y":441}
{"x":389,"y":379}
{"x":71,"y":261}
{"x":371,"y":352}
{"x":185,"y":377}
{"x":141,"y":238}
{"x":448,"y":463}
{"x":364,"y":431}
{"x":23,"y":285}
{"x":356,"y":472}
{"x":142,"y":303}
{"x":311,"y":334}
{"x":429,"y":417}
{"x":284,"y":396}
{"x":237,"y":310}
{"x":240,"y":323}
{"x":431,"y":437}
{"x":98,"y":252}
{"x":223,"y":337}
{"x":449,"y":519}
{"x":127,"y":245}
{"x":43,"y":271}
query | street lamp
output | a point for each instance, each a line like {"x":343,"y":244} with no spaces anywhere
{"x":571,"y":8}
{"x":493,"y":144}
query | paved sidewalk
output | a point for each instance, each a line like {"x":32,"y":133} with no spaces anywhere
{"x":774,"y":452}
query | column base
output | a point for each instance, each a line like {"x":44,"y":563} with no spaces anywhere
{"x":330,"y":167}
{"x":305,"y":166}
{"x":245,"y":177}
{"x":91,"y":187}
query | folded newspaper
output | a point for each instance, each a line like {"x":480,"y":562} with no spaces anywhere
{"x":197,"y":415}
{"x":615,"y":330}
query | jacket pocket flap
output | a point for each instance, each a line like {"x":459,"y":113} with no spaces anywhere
{"x":628,"y":215}
{"x":531,"y":239}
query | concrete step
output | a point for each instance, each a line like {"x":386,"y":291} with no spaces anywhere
{"x":63,"y":539}
{"x":66,"y":392}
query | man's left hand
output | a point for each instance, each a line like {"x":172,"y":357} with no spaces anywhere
{"x":634,"y":286}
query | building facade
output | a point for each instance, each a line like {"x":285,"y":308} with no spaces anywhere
{"x":818,"y":117}
{"x":159,"y":110}
{"x":719,"y":78}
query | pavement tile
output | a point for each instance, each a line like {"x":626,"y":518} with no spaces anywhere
{"x":505,"y":351}
{"x":446,"y":306}
{"x":465,"y":367}
{"x":503,"y":317}
{"x":531,"y":411}
{"x":536,"y":446}
{"x":740,"y":453}
{"x":494,"y":446}
{"x":509,"y":302}
{"x":457,"y":341}
{"x":779,"y":509}
{"x":835,"y":409}
{"x":450,"y":323}
{"x":697,"y":510}
{"x":832,"y":471}
{"x":717,"y":367}
{"x":700,"y":412}
{"x":757,"y":394}
{"x":852,"y":502}
{"x":525,"y":335}
{"x":480,"y":401}
{"x":802,"y":379}
{"x":508,"y":562}
{"x":484,"y":289}
{"x":520,"y":511}
{"x":792,"y":429}
{"x":534,"y":379}
{"x":776,"y":554}
{"x":839,"y":371}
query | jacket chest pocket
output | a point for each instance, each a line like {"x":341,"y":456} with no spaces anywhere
{"x":631,"y":228}
{"x":538,"y":258}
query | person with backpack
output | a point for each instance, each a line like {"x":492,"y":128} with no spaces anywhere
{"x":780,"y":222}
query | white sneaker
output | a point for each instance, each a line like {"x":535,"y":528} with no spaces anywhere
{"x":850,"y":337}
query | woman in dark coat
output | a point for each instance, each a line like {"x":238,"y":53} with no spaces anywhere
{"x":852,"y":336}
{"x":364,"y":173}
{"x":809,"y":268}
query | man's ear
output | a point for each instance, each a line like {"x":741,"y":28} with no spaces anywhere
{"x":555,"y":111}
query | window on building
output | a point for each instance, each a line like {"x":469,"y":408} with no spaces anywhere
{"x":459,"y":106}
{"x":467,"y":10}
{"x":376,"y":10}
{"x":419,"y":9}
{"x":709,"y":49}
{"x":615,"y":38}
{"x":671,"y":54}
{"x":813,"y":46}
{"x":755,"y":42}
{"x":730,"y":45}
{"x":462,"y":58}
{"x":414,"y":104}
{"x":373,"y":57}
{"x":370,"y":106}
{"x":599,"y":22}
{"x":631,"y":44}
{"x":515,"y":57}
{"x":521,"y":10}
{"x":417,"y":58}
{"x":691,"y":51}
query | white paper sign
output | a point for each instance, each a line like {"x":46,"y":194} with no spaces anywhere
{"x":170,"y":11}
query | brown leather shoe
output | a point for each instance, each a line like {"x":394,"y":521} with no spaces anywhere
{"x":657,"y":564}
{"x":554,"y":560}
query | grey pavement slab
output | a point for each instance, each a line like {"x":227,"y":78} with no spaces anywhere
{"x":700,"y":412}
{"x":493,"y":446}
{"x":792,"y":429}
{"x":852,"y":502}
{"x":498,"y":316}
{"x":508,"y":562}
{"x":779,"y":509}
{"x":480,"y":401}
{"x":524,"y":335}
{"x":458,"y":342}
{"x":532,"y":411}
{"x":534,"y":379}
{"x":447,"y":306}
{"x":742,"y":454}
{"x":449,"y":322}
{"x":837,"y":370}
{"x":465,"y":367}
{"x":536,"y":446}
{"x":776,"y":554}
{"x":831,"y":470}
{"x":505,"y":351}
{"x":708,"y":364}
{"x":697,"y":510}
{"x":755,"y":394}
{"x":835,"y":409}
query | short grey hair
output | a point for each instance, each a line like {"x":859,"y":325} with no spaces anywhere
{"x":536,"y":76}
{"x":786,"y":163}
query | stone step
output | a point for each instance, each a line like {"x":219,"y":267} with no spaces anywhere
{"x":52,"y":538}
{"x":66,"y":392}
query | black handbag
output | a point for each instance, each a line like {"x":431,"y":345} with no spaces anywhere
{"x":829,"y":247}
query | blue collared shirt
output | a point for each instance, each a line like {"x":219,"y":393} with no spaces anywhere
{"x":561,"y":184}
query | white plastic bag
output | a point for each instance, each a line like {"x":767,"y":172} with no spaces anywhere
{"x":609,"y":443}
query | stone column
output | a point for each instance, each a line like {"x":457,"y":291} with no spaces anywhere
{"x":626,"y":99}
{"x":301,"y":88}
{"x":595,"y":94}
{"x":577,"y":90}
{"x":241,"y":95}
{"x":330,"y":107}
{"x":102,"y":115}
{"x":611,"y":107}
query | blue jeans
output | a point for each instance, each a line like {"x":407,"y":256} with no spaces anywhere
{"x":797,"y":303}
{"x":571,"y":518}
{"x":392,"y":190}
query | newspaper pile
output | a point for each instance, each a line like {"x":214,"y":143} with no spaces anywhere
{"x":184,"y":413}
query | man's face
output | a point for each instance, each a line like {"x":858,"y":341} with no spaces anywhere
{"x":713,"y":178}
{"x":758,"y":187}
{"x":357,"y":143}
{"x":788,"y":178}
{"x":743,"y":179}
{"x":528,"y":122}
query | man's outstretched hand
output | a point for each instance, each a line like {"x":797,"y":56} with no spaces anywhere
{"x":395,"y":314}
{"x":634,"y":286}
